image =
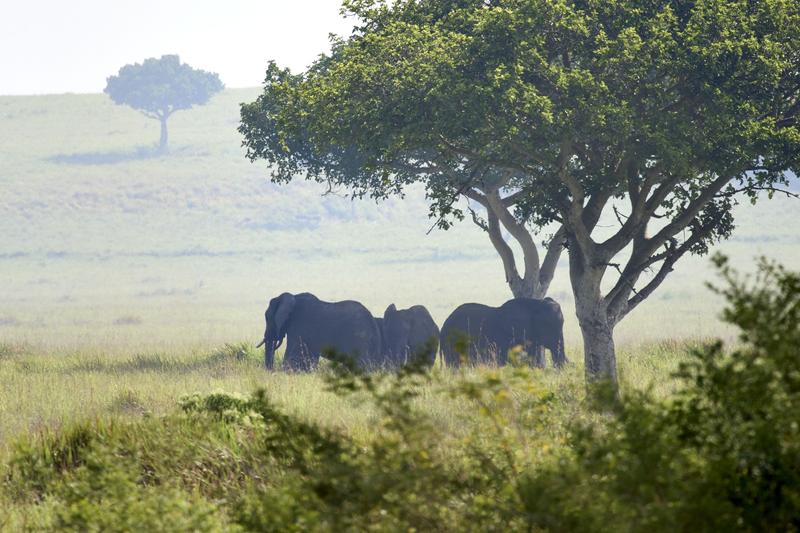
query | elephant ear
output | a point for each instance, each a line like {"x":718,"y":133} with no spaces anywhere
{"x":392,"y":309}
{"x":283,"y":313}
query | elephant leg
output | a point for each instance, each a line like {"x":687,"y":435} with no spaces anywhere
{"x":433,"y":348}
{"x":477,"y":352}
{"x":308,"y":358}
{"x":537,"y":358}
{"x":451,"y":358}
{"x":296,"y":358}
{"x":493,"y":354}
{"x":559,"y":355}
{"x":291,"y":360}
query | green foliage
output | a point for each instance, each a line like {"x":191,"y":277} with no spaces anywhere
{"x":162,"y":86}
{"x":159,"y":87}
{"x":128,"y":401}
{"x":456,"y":94}
{"x":243,"y":352}
{"x":724,"y":454}
{"x":105,"y":495}
{"x":721,"y":455}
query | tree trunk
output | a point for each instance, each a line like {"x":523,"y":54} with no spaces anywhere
{"x":525,"y":288}
{"x":162,"y":143}
{"x":597,"y":330}
{"x":598,"y":343}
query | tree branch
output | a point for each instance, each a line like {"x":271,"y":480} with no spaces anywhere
{"x":554,"y":249}
{"x":692,"y":210}
{"x":478,"y":221}
{"x":503,"y":249}
{"x":520,"y":234}
{"x":628,"y":277}
{"x":566,"y":178}
{"x":574,"y":215}
{"x":670,"y":257}
{"x":733,"y":192}
{"x":512,"y":199}
{"x":461,"y":190}
{"x":639,"y":216}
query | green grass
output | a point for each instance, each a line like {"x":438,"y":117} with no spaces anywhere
{"x":49,"y":389}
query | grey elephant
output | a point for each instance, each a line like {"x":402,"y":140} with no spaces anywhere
{"x":406,"y":334}
{"x":488,"y":333}
{"x":312,"y":326}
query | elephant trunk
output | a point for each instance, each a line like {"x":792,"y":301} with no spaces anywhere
{"x":270,"y":346}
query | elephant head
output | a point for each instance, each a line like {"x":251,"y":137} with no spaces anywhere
{"x":277,"y":318}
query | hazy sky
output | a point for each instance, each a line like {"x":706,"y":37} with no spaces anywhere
{"x":57,"y":46}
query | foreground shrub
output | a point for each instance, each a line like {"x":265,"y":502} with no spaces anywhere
{"x":723,"y":454}
{"x":106,"y":494}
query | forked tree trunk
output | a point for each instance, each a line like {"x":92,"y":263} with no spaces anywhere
{"x":526,"y":288}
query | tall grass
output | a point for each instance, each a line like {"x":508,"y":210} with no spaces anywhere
{"x":46,"y":389}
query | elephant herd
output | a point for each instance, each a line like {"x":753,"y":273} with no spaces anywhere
{"x":479,"y":333}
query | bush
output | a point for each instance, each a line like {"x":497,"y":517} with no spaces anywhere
{"x":241,"y":352}
{"x":722,"y":455}
{"x":105,"y":494}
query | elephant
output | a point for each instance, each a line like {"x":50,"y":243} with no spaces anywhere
{"x":406,"y":334}
{"x":482,"y":331}
{"x":312,"y":326}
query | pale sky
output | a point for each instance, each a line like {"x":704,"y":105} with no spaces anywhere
{"x":58,"y":46}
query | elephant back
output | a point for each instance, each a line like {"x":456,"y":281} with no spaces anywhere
{"x":345,"y":326}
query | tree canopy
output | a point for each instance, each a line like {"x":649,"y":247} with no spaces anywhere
{"x":159,"y":87}
{"x":549,"y":113}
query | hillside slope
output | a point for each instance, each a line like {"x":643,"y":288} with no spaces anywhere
{"x":104,"y":243}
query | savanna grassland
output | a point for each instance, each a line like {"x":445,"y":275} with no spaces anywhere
{"x":105,"y":244}
{"x":131,"y":280}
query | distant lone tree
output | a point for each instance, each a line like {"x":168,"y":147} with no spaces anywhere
{"x":159,"y":87}
{"x":654,"y":116}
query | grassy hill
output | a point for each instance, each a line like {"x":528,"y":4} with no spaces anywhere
{"x":106,"y":244}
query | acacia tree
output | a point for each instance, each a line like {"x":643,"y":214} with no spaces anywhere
{"x":159,"y":87}
{"x":660,"y":113}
